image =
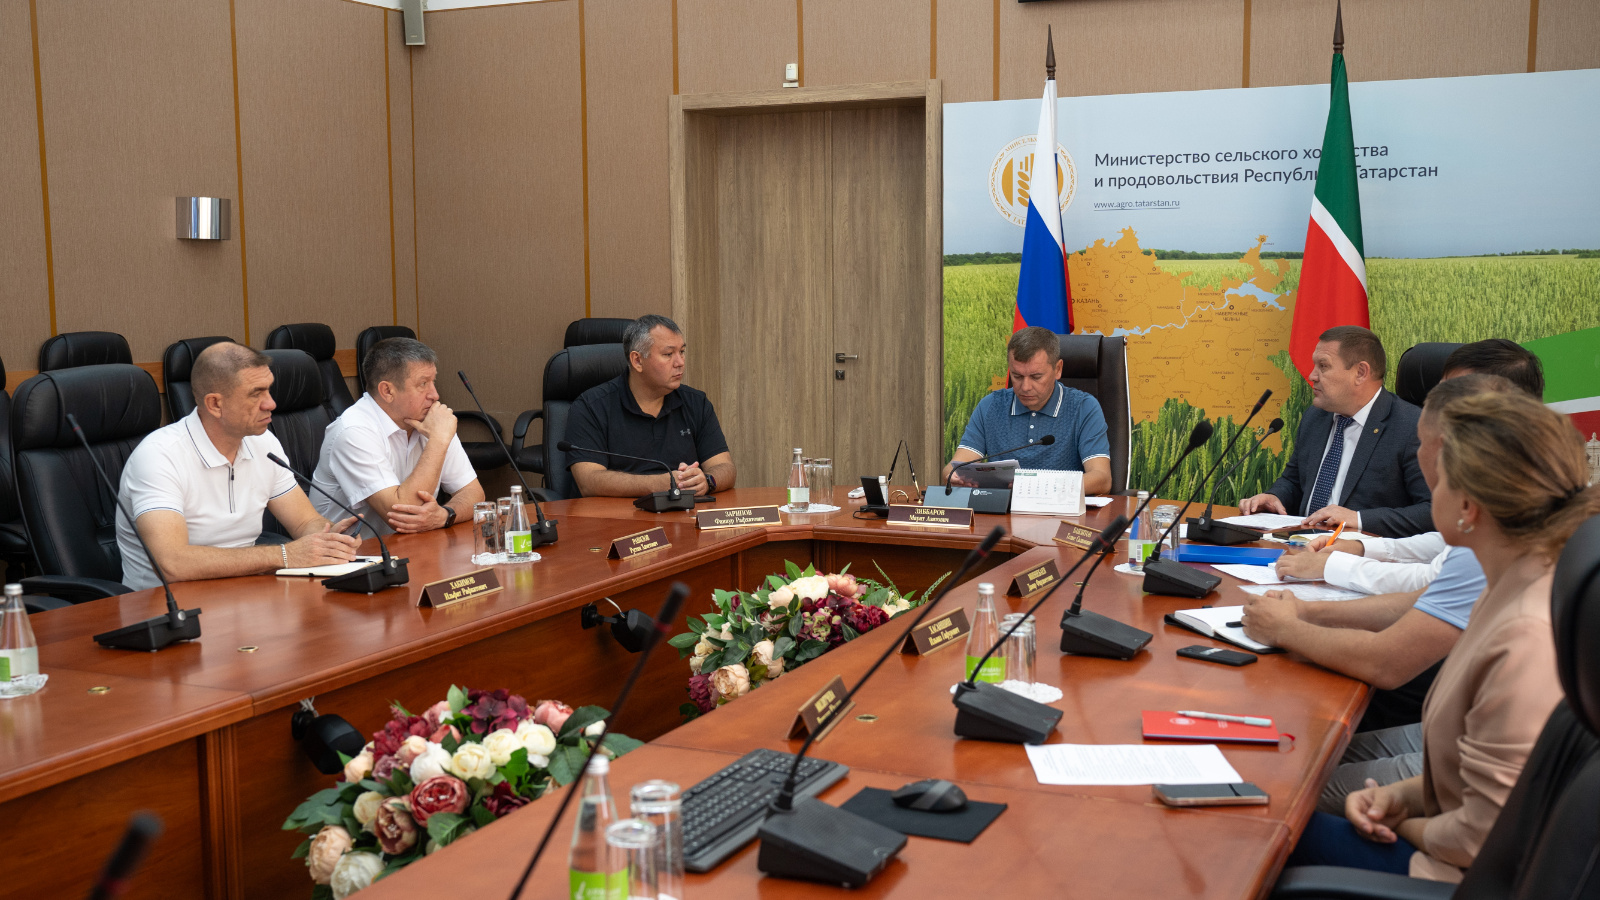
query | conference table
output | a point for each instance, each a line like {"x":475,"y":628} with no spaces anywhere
{"x":200,"y":733}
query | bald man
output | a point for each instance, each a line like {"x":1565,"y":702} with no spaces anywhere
{"x":198,"y":486}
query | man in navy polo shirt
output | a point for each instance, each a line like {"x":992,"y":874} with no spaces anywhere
{"x":1035,"y":405}
{"x":648,"y":411}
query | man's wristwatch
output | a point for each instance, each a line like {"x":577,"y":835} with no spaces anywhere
{"x":449,"y":516}
{"x":711,"y":483}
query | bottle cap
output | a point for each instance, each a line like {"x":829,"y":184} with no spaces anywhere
{"x":13,"y":590}
{"x":599,"y":765}
{"x":985,"y":587}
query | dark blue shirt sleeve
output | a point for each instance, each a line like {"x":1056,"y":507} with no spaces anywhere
{"x":975,"y":438}
{"x":1092,"y":439}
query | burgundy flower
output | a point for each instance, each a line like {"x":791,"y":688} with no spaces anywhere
{"x":394,"y":733}
{"x":384,"y":767}
{"x":503,"y":801}
{"x":494,"y":710}
{"x":395,"y":827}
{"x":701,"y":693}
{"x":440,"y":794}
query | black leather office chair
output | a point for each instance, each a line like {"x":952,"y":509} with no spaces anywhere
{"x":1420,"y":369}
{"x":484,"y":455}
{"x":317,"y":339}
{"x":595,"y":331}
{"x":1546,"y":842}
{"x":84,"y":348}
{"x":177,"y":364}
{"x":568,"y":374}
{"x":14,"y":549}
{"x":300,"y":418}
{"x":70,"y":515}
{"x":1098,"y":366}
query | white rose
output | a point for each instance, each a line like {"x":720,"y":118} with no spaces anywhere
{"x":761,"y":653}
{"x":501,"y":744}
{"x":812,"y":588}
{"x":775,"y":668}
{"x":354,"y":872}
{"x":780,"y":598}
{"x":472,"y":761}
{"x":696,"y":663}
{"x":366,"y":808}
{"x":539,"y":740}
{"x":595,"y":728}
{"x":359,"y":767}
{"x":703,"y":648}
{"x":726,"y":633}
{"x":896,"y":606}
{"x":431,"y":764}
{"x":538,"y":760}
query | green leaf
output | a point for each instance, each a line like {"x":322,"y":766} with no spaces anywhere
{"x":793,"y":570}
{"x":619,"y":744}
{"x":782,"y":646}
{"x":400,"y":783}
{"x":560,"y":770}
{"x":312,"y":809}
{"x":810,"y":570}
{"x":886,"y":579}
{"x":877,"y":597}
{"x":481,"y":815}
{"x":684,"y":641}
{"x":688,"y":710}
{"x":696,"y":624}
{"x":846,"y":569}
{"x":581,"y":718}
{"x":397,"y":707}
{"x":302,"y":851}
{"x":774,"y":582}
{"x":810,"y":650}
{"x":446,"y":827}
{"x":517,"y":766}
{"x":450,"y":744}
{"x":795,"y":624}
{"x":321,"y":892}
{"x":458,"y":700}
{"x":850,"y":634}
{"x":715,"y":622}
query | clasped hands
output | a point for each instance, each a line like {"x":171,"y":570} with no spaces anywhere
{"x":410,"y":518}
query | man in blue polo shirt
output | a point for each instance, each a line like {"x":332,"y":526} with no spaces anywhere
{"x":1035,"y":405}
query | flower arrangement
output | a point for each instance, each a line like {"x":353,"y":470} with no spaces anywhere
{"x":425,"y":781}
{"x":755,"y":637}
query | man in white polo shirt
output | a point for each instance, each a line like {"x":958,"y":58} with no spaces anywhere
{"x":393,"y":450}
{"x":198,"y":486}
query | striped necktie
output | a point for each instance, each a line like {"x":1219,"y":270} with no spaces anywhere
{"x":1322,"y":492}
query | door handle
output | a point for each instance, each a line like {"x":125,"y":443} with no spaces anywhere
{"x":841,"y":357}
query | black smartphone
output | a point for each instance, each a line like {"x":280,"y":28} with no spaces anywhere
{"x":1242,"y":794}
{"x":1218,"y":655}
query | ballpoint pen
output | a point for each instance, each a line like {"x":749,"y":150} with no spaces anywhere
{"x":1218,"y":717}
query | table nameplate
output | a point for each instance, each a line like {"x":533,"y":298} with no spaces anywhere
{"x":908,"y":516}
{"x":1081,"y":536}
{"x":446,"y":591}
{"x":631,"y":545}
{"x":737,"y":517}
{"x":1034,"y":580}
{"x":822,"y":711}
{"x":937,"y":634}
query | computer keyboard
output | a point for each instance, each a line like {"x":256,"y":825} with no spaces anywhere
{"x":724,"y":812}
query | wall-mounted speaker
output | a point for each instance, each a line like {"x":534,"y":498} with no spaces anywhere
{"x":411,"y":14}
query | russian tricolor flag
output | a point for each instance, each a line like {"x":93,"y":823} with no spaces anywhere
{"x":1044,"y":295}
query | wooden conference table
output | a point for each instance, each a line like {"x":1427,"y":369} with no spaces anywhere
{"x":199,"y":733}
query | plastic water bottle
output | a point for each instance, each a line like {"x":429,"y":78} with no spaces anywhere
{"x":1136,"y":537}
{"x":596,"y":871}
{"x":985,"y":632}
{"x":799,"y":492}
{"x":519,"y":534}
{"x":19,"y":652}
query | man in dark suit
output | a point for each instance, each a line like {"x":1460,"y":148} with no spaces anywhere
{"x":1355,"y":455}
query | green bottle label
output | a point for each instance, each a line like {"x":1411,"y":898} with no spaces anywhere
{"x":521,"y":541}
{"x":994,"y":670}
{"x":5,"y":668}
{"x":598,"y":885}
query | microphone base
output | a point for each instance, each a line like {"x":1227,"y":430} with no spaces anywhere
{"x":1091,"y":634}
{"x":663,"y":501}
{"x":1209,"y":531}
{"x":372,"y":579}
{"x":1174,"y":579}
{"x":949,"y":498}
{"x":988,"y":712}
{"x":817,"y":842}
{"x":544,"y":533}
{"x":869,"y":509}
{"x":152,"y":634}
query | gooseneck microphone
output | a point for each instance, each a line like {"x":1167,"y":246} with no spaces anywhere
{"x":368,"y":579}
{"x":1091,"y":634}
{"x":814,"y":841}
{"x":1207,"y":529}
{"x":664,"y":619}
{"x":989,"y":712}
{"x":544,"y":530}
{"x":154,"y":633}
{"x":142,"y":831}
{"x":656,"y":501}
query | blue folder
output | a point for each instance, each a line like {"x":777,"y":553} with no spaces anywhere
{"x":1210,"y":553}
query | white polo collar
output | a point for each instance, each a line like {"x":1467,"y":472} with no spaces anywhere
{"x":1052,"y":407}
{"x":210,"y":456}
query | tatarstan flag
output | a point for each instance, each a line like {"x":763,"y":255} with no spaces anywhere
{"x":1333,"y":275}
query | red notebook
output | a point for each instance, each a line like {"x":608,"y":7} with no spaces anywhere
{"x":1169,"y":726}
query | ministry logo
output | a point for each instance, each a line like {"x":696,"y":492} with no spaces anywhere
{"x":1011,"y":176}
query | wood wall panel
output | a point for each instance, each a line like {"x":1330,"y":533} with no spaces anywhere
{"x":315,"y":135}
{"x":966,"y":49}
{"x":24,"y":288}
{"x":1121,"y":46}
{"x":628,"y":61}
{"x":1292,"y":40}
{"x":851,"y":42}
{"x":735,"y":45}
{"x":1569,"y":35}
{"x":402,"y":174}
{"x":138,"y":110}
{"x":499,"y":195}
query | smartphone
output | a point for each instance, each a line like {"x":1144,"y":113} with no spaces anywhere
{"x":1218,"y":655}
{"x":1242,"y":794}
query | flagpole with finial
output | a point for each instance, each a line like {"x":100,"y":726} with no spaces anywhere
{"x":1049,"y":54}
{"x":1338,"y":27}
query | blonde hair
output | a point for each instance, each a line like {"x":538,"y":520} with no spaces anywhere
{"x":1522,"y":462}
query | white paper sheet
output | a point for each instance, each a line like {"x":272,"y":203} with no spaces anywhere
{"x":1264,"y":520}
{"x":1304,"y":591}
{"x":1104,"y":764}
{"x":1096,"y":502}
{"x":334,"y":570}
{"x":1252,"y":574}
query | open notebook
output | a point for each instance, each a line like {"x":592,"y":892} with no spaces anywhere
{"x":1212,"y":621}
{"x":335,"y":570}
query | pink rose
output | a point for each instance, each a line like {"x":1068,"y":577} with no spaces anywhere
{"x":410,"y":749}
{"x":836,"y":584}
{"x":437,"y":713}
{"x":440,"y":794}
{"x":359,"y":767}
{"x":394,"y":826}
{"x":326,"y":847}
{"x":552,"y":714}
{"x":848,"y":586}
{"x":731,"y":682}
{"x":386,"y":767}
{"x":438,"y":736}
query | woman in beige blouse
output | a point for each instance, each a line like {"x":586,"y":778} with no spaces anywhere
{"x":1511,"y":488}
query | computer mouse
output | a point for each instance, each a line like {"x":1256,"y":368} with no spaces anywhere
{"x":932,"y":795}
